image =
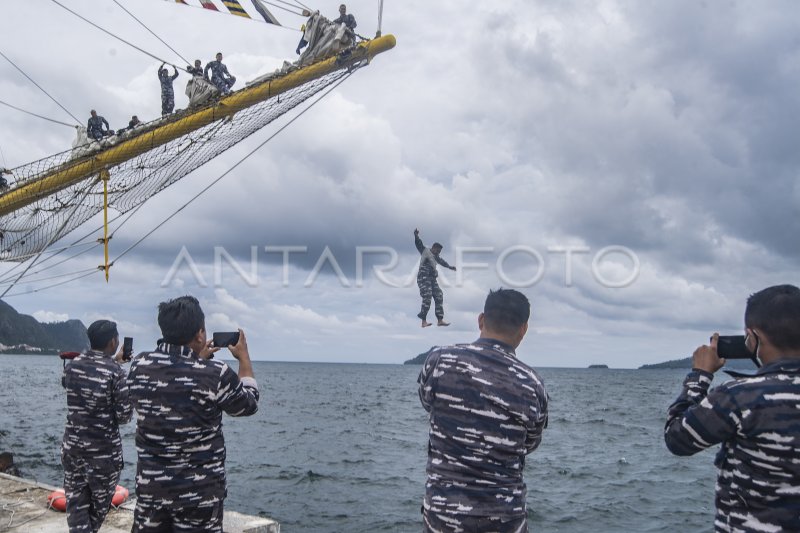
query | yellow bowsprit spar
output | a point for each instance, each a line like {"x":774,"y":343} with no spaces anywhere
{"x":51,"y":197}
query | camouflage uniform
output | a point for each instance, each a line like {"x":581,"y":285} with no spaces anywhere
{"x":348,"y":20}
{"x":179,"y":400}
{"x":757,"y":420}
{"x":426,"y":280}
{"x":487,"y":412}
{"x":91,"y":452}
{"x":94,"y":127}
{"x":167,"y":92}
{"x":220,"y":76}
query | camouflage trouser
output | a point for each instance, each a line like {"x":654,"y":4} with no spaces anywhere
{"x":167,"y":102}
{"x":438,"y":523}
{"x":89,"y":487}
{"x":429,"y":287}
{"x":224,"y":85}
{"x":162,"y":519}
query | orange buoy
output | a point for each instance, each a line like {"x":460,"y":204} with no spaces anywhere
{"x":120,"y":495}
{"x":57,"y":500}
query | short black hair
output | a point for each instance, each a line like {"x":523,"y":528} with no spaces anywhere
{"x":100,"y":333}
{"x":776,"y":312}
{"x":436,"y":245}
{"x":506,"y":310}
{"x":180,"y":319}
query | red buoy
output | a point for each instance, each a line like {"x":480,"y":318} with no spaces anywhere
{"x":120,"y":495}
{"x":58,"y":500}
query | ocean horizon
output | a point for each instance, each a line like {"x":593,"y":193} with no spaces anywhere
{"x":342,"y":447}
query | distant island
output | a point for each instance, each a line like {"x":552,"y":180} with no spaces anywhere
{"x":23,"y":334}
{"x":418,"y":360}
{"x":686,"y":363}
{"x":598,"y":366}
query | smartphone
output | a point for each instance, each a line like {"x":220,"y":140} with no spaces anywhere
{"x":733,"y":347}
{"x":225,"y":338}
{"x":127,"y":348}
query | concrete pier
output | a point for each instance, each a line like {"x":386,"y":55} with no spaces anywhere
{"x":23,"y":508}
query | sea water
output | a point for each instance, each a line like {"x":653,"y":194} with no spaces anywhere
{"x":342,"y":448}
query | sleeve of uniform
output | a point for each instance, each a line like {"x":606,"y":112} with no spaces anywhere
{"x":353,"y":21}
{"x":441,"y":261}
{"x":427,"y":379}
{"x":235,"y":396}
{"x":418,"y":244}
{"x":106,"y":123}
{"x":205,"y":71}
{"x":537,"y":419}
{"x":123,"y":409}
{"x":174,"y":76}
{"x":697,"y":419}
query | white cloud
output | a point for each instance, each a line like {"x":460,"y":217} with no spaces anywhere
{"x":594,"y":123}
{"x":49,"y":316}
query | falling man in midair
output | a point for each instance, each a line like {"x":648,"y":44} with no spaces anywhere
{"x":426,"y":280}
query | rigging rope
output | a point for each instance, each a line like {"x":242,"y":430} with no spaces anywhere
{"x":140,"y":168}
{"x":32,"y":291}
{"x":152,"y":32}
{"x":35,"y":115}
{"x":281,"y":7}
{"x":301,"y":4}
{"x":284,"y":8}
{"x":242,"y":160}
{"x":33,"y":262}
{"x":40,"y":88}
{"x":112,"y":35}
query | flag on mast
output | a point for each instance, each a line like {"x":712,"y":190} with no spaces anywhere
{"x":235,"y":8}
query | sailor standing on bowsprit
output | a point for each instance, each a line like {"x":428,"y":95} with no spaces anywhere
{"x":426,"y":281}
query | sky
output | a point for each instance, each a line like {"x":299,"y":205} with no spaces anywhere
{"x":630,"y":166}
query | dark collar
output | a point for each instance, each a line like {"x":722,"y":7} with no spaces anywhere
{"x":494,"y":342}
{"x":96,"y":354}
{"x":789,"y":365}
{"x":174,"y":349}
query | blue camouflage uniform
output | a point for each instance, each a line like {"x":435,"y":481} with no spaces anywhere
{"x":167,"y":92}
{"x":179,"y":400}
{"x":487,"y":412}
{"x":91,"y":451}
{"x":426,"y":280}
{"x":94,"y":127}
{"x":348,"y":20}
{"x":757,"y":420}
{"x":220,"y":76}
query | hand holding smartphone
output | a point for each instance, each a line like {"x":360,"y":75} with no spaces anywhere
{"x":127,"y":348}
{"x":224,"y":339}
{"x":732,"y":347}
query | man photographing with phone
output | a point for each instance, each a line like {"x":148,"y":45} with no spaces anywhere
{"x":756,"y":419}
{"x":179,"y":393}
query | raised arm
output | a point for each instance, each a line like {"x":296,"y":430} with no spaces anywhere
{"x":123,"y":409}
{"x":418,"y":242}
{"x":175,"y":72}
{"x":698,"y":420}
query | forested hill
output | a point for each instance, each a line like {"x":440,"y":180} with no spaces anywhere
{"x":24,"y":334}
{"x":686,"y":362}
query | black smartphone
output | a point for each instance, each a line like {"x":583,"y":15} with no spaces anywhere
{"x":127,"y":348}
{"x":225,"y":338}
{"x":733,"y":347}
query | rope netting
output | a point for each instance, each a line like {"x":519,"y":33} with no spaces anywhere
{"x":49,"y":216}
